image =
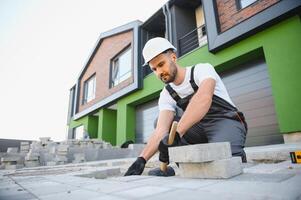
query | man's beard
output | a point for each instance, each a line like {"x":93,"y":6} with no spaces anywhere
{"x":171,"y":76}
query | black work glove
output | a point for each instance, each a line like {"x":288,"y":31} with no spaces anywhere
{"x":163,"y":146}
{"x":137,"y":167}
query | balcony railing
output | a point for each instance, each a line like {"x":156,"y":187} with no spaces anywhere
{"x":192,"y":40}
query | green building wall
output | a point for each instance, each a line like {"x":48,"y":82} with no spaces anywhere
{"x":90,"y":124}
{"x":107,"y":125}
{"x":280,"y":45}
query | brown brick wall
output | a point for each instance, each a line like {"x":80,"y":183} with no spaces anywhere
{"x":100,"y":65}
{"x":229,"y":15}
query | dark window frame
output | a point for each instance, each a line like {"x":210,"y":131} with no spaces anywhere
{"x":84,"y":99}
{"x":119,"y":54}
{"x":219,"y":40}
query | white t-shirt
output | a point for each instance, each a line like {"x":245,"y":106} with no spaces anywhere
{"x":202,"y":71}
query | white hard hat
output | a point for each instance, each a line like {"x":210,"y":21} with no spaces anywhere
{"x":154,"y":47}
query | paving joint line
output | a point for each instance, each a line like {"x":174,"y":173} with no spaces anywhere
{"x":23,"y":187}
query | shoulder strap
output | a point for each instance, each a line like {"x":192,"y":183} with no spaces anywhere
{"x":192,"y":82}
{"x":172,"y":93}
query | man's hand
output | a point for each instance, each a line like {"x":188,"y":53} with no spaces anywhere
{"x":163,"y":146}
{"x":137,"y":167}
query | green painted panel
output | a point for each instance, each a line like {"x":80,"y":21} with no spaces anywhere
{"x":92,"y":126}
{"x":107,"y":125}
{"x":283,"y":56}
{"x":82,"y":121}
{"x":126,"y":118}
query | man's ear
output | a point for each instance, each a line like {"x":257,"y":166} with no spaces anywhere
{"x":174,"y":56}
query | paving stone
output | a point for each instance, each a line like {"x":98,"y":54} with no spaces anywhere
{"x":130,"y":178}
{"x":141,"y":192}
{"x":24,"y":148}
{"x":50,"y":163}
{"x":186,"y":183}
{"x":32,"y":156}
{"x":271,"y":153}
{"x":18,"y":196}
{"x":253,"y":177}
{"x":10,"y":158}
{"x":79,"y":158}
{"x":12,"y":150}
{"x":200,"y":152}
{"x":104,"y":173}
{"x":71,"y":194}
{"x":181,"y":194}
{"x":60,"y":158}
{"x":24,"y":143}
{"x":31,"y":163}
{"x":156,"y":181}
{"x":108,"y":197}
{"x":106,"y":186}
{"x":10,"y":167}
{"x":46,"y":188}
{"x":256,"y":190}
{"x":63,"y":148}
{"x":44,"y":139}
{"x":224,"y":168}
{"x":136,"y":146}
{"x":269,"y":168}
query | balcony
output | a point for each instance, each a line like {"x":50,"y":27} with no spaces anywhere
{"x":192,"y":40}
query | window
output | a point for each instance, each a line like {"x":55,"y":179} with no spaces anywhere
{"x":89,"y":89}
{"x":78,"y":132}
{"x":121,"y":67}
{"x":244,"y":3}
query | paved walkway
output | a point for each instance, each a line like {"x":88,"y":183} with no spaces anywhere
{"x":259,"y":181}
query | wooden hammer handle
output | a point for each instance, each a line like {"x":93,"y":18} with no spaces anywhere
{"x":171,"y":138}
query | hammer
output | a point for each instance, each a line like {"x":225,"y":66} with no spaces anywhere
{"x":171,"y":138}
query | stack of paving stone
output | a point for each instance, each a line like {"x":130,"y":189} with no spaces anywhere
{"x":24,"y":147}
{"x":11,"y":160}
{"x":32,"y":158}
{"x":98,"y":144}
{"x":106,"y":145}
{"x":45,"y":140}
{"x":50,"y":154}
{"x":210,"y":160}
{"x":61,"y":154}
{"x":79,"y":158}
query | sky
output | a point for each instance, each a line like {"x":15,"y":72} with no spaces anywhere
{"x":44,"y":44}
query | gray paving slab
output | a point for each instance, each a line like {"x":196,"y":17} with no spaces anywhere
{"x":107,"y":187}
{"x":191,"y":183}
{"x":270,"y":168}
{"x":271,"y":153}
{"x":256,"y":189}
{"x":8,"y":184}
{"x":17,"y":196}
{"x":48,"y":188}
{"x":155,"y":181}
{"x":224,"y":168}
{"x":73,"y":180}
{"x":108,"y":197}
{"x":200,"y":152}
{"x":181,"y":194}
{"x":12,"y":190}
{"x":295,"y":181}
{"x":73,"y":194}
{"x":142,"y":192}
{"x":129,"y":178}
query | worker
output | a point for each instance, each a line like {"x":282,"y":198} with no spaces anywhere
{"x":209,"y":113}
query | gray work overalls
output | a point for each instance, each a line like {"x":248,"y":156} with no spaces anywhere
{"x":222,"y":123}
